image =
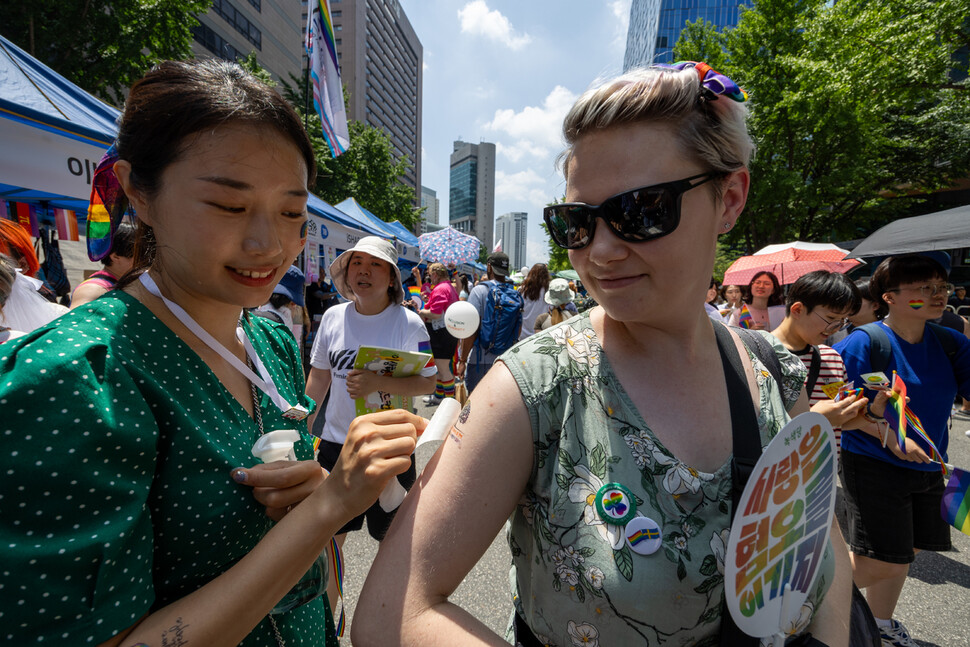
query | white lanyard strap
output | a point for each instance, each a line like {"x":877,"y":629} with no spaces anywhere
{"x":263,"y":381}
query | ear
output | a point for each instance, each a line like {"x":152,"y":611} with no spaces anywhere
{"x":797,"y":308}
{"x":734,"y":195}
{"x":888,"y":297}
{"x":122,"y":169}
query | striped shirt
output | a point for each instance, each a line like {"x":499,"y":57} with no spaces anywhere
{"x":831,"y":370}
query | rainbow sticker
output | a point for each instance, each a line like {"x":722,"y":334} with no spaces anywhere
{"x":916,"y":304}
{"x":615,"y":504}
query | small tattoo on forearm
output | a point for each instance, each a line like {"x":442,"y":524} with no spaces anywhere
{"x":465,"y":412}
{"x":456,"y":434}
{"x":174,"y":636}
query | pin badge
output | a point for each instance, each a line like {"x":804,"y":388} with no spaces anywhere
{"x":615,"y":504}
{"x":643,"y":535}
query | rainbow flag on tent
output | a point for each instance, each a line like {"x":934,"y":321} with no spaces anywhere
{"x":66,"y":224}
{"x":955,"y":506}
{"x":745,"y":320}
{"x":328,"y":93}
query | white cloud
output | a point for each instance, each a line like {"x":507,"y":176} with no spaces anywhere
{"x":526,"y":188}
{"x":535,"y":130}
{"x":536,"y":251}
{"x":621,"y":11}
{"x":477,"y":19}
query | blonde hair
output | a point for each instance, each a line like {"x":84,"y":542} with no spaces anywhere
{"x":438,"y":270}
{"x":713,"y":131}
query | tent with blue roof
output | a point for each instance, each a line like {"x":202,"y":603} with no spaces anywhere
{"x":53,"y":133}
{"x":406,"y":250}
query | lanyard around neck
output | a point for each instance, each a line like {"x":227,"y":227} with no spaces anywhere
{"x":263,"y":381}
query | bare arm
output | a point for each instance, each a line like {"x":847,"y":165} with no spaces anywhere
{"x":362,"y":383}
{"x":86,"y":293}
{"x":226,"y":609}
{"x":317,"y":385}
{"x":831,"y":622}
{"x":467,"y":491}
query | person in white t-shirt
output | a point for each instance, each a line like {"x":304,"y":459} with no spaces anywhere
{"x":368,"y":277}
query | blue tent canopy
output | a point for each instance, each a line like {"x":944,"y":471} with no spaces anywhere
{"x":402,"y":232}
{"x":53,"y":132}
{"x":325,"y":210}
{"x":353,"y":209}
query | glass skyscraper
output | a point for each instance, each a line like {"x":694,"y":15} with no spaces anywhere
{"x":655,"y":26}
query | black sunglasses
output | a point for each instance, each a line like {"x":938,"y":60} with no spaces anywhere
{"x":635,"y":216}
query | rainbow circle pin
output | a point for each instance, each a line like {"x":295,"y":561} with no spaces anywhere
{"x":643,"y":535}
{"x":615,"y":504}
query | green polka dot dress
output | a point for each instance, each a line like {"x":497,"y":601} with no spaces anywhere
{"x":117,"y":442}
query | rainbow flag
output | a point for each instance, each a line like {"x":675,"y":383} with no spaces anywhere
{"x":917,"y":426}
{"x":66,"y":224}
{"x":745,"y":320}
{"x":328,"y":93}
{"x":955,"y":506}
{"x":896,"y":410}
{"x":414,"y":292}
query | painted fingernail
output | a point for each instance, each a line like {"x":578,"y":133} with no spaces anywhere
{"x":239,"y":475}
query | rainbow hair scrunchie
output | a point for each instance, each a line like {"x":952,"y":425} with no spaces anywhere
{"x":713,"y":83}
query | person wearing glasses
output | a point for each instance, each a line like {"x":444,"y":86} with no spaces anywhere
{"x":764,"y":301}
{"x":818,"y":305}
{"x":606,"y":437}
{"x":893,"y":496}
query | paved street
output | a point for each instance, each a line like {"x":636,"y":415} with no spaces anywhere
{"x":935,"y":603}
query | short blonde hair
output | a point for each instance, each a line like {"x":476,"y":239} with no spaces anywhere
{"x":714,"y":131}
{"x":438,"y":270}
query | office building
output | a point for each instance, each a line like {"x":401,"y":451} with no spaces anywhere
{"x":431,"y":204}
{"x":655,"y":26}
{"x":471,"y":195}
{"x":381,"y":63}
{"x":510,"y":228}
{"x":273,"y":29}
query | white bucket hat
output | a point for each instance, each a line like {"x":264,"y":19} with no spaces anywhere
{"x":559,"y":293}
{"x":376,"y":247}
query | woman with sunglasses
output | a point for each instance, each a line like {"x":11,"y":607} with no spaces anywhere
{"x":605,"y":436}
{"x":893,"y":497}
{"x":763,"y":302}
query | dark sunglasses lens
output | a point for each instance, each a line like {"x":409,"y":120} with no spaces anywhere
{"x":643,"y":215}
{"x":570,"y":226}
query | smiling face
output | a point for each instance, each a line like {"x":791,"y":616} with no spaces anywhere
{"x":369,"y":278}
{"x":228,"y":218}
{"x":913,"y":300}
{"x":660,"y":281}
{"x":762,"y":286}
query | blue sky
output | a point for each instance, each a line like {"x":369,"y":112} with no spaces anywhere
{"x":506,"y":72}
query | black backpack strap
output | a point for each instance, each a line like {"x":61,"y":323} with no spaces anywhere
{"x":813,"y":370}
{"x":947,"y":341}
{"x":746,"y":443}
{"x":763,"y":350}
{"x":880,"y":349}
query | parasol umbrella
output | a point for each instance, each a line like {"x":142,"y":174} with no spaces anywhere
{"x":789,"y":261}
{"x":948,"y":229}
{"x":449,"y":246}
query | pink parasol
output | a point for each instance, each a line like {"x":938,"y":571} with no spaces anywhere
{"x":789,"y":261}
{"x":448,"y":246}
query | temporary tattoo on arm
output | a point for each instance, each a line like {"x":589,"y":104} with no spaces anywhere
{"x":174,"y":636}
{"x":456,"y":434}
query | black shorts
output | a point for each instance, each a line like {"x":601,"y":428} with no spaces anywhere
{"x":892,"y":509}
{"x":378,"y":521}
{"x":443,"y":343}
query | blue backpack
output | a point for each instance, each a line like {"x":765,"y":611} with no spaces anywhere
{"x":501,"y":319}
{"x":880,"y":350}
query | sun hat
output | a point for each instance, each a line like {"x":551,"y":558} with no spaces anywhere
{"x":291,"y":285}
{"x":559,"y":293}
{"x":376,"y":247}
{"x":499,"y":262}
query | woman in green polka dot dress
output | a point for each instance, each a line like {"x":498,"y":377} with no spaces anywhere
{"x":128,"y":514}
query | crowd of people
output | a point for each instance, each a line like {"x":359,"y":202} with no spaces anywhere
{"x":142,"y":517}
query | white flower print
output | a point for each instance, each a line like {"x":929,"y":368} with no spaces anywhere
{"x":799,"y":622}
{"x":719,"y":543}
{"x":584,"y":635}
{"x":595,"y":577}
{"x":567,"y":575}
{"x":680,"y":542}
{"x":682,"y":479}
{"x":579,"y":346}
{"x":583,"y":489}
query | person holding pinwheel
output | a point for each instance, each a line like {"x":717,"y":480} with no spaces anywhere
{"x":893,"y":493}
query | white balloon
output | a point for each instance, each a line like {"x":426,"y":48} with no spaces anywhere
{"x":461,"y":319}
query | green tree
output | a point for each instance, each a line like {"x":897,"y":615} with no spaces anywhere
{"x":700,"y":41}
{"x":367,"y":171}
{"x":852,"y":106}
{"x":103,"y":45}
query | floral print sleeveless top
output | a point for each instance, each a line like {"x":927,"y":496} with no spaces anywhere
{"x":574,"y":579}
